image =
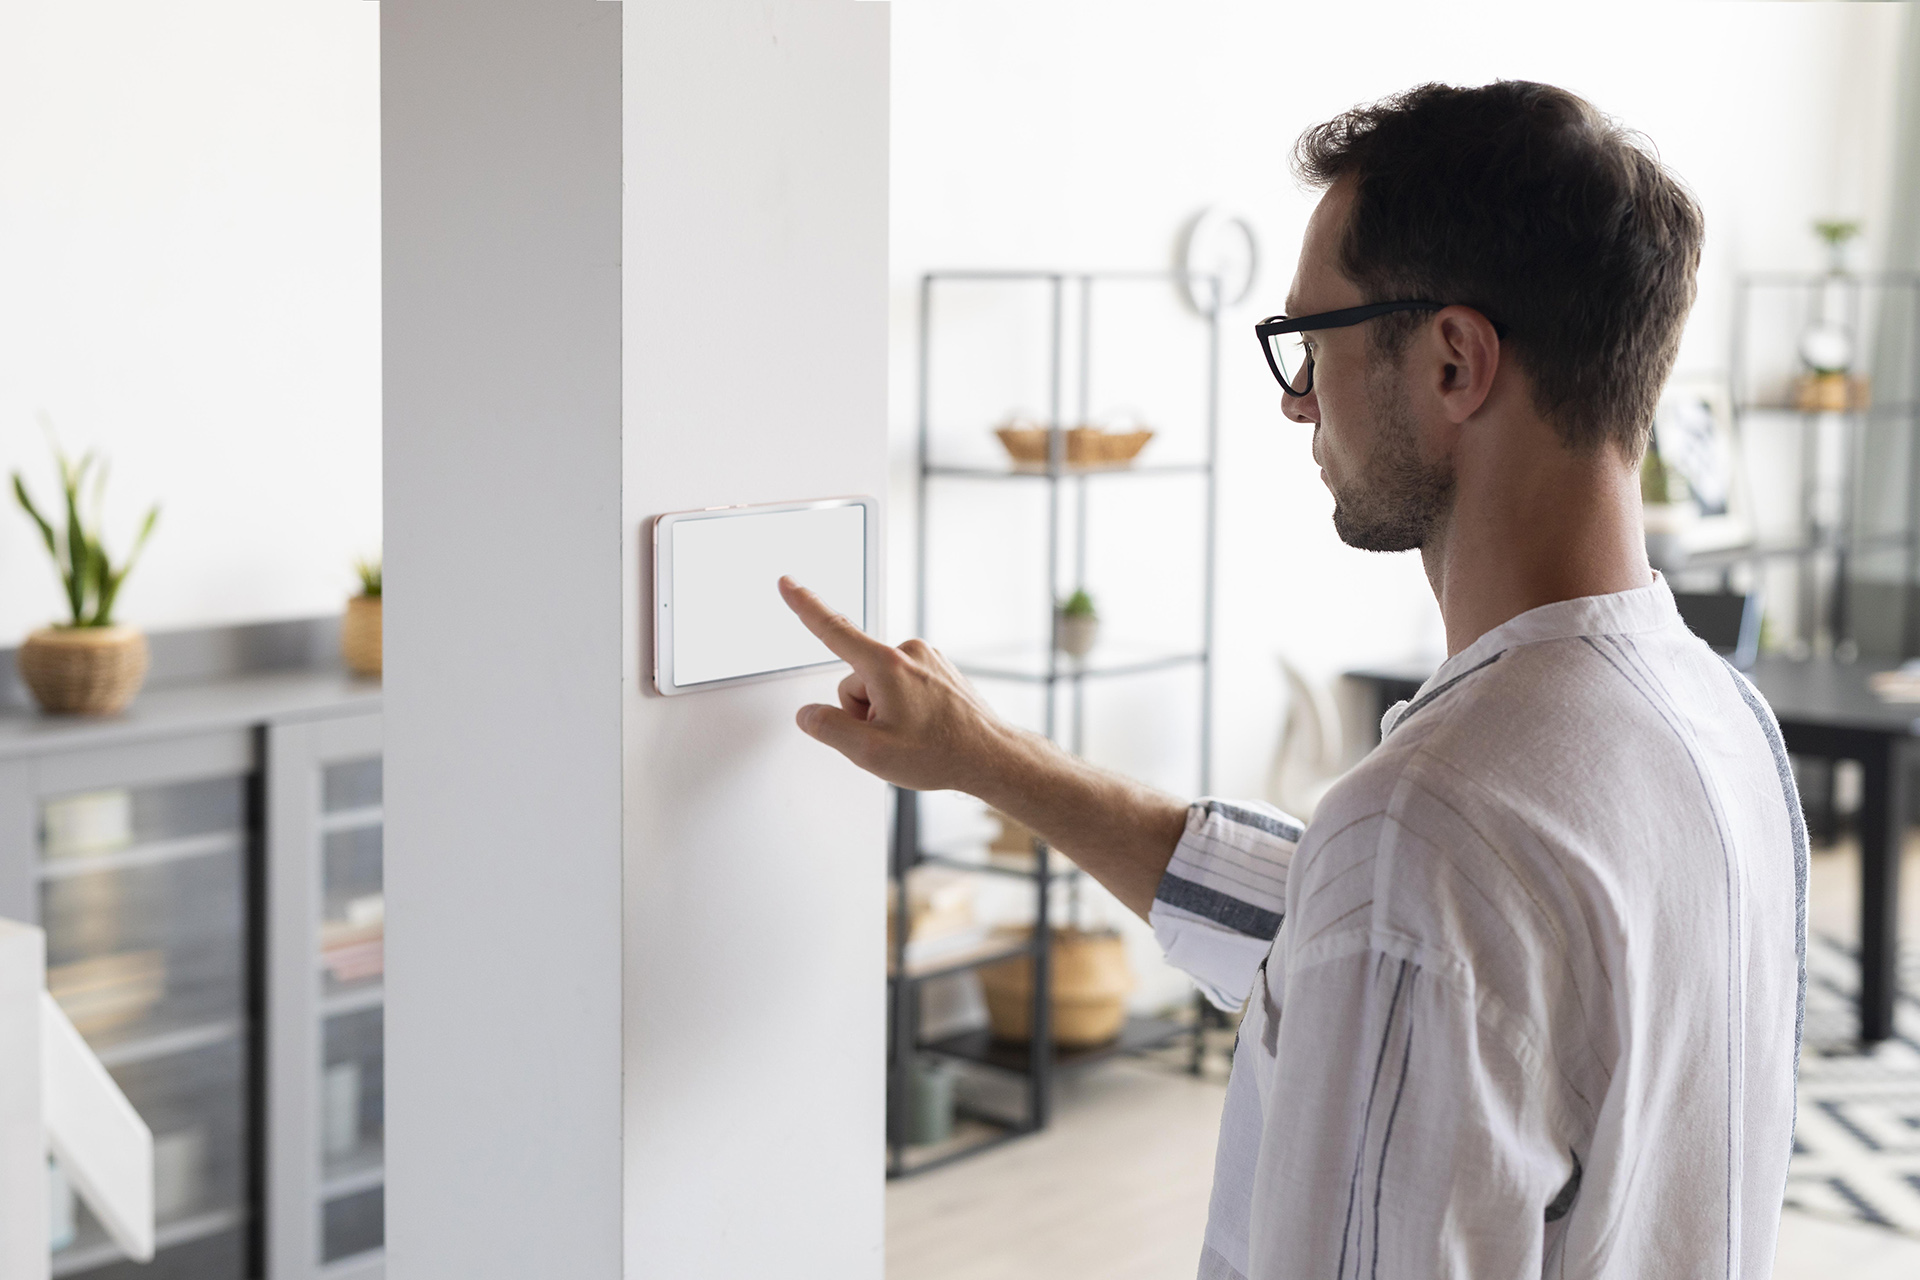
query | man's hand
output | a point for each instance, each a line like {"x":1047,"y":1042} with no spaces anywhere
{"x":905,"y":714}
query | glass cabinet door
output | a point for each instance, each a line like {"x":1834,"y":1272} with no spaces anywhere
{"x":352,"y":961}
{"x":143,"y":893}
{"x":328,"y":1195}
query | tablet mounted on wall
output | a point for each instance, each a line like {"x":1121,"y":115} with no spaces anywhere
{"x":718,"y":618}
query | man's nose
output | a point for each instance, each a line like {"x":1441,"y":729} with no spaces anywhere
{"x":1304,"y":408}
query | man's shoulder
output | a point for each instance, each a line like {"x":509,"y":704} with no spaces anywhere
{"x":1526,"y":754}
{"x":1575,"y":710}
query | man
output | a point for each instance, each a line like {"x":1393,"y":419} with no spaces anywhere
{"x":1524,"y":999}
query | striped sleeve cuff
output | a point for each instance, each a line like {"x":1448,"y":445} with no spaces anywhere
{"x":1222,"y":900}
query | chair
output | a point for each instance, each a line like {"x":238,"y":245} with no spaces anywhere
{"x":1311,"y":755}
{"x":1728,"y":621}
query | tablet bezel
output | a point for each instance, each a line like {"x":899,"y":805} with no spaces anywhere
{"x":663,"y":527}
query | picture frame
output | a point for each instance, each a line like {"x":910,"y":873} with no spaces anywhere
{"x":1694,"y":431}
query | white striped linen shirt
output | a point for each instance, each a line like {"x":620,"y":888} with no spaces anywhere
{"x":1524,"y":1000}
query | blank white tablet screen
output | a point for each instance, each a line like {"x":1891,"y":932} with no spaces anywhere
{"x":728,"y":617}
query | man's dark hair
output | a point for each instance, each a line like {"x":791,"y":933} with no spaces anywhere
{"x":1522,"y":201}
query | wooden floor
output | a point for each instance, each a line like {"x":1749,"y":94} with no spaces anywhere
{"x":1117,"y":1188}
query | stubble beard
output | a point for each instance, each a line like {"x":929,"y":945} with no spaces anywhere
{"x":1400,"y":498}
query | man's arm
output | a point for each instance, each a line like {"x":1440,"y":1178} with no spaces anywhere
{"x":908,"y":716}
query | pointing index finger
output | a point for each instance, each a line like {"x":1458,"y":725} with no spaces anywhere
{"x":836,"y":631}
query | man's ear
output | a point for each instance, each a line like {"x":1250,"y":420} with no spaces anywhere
{"x":1468,"y":352}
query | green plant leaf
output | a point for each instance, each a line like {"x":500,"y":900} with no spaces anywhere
{"x":79,"y":548}
{"x":111,"y":578}
{"x":46,"y":529}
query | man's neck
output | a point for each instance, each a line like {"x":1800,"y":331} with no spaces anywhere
{"x":1532,"y":526}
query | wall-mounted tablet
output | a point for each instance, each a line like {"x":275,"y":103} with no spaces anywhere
{"x":718,"y":618}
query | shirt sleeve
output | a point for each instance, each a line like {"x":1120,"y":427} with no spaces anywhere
{"x":1221,"y":902}
{"x":1436,"y":1154}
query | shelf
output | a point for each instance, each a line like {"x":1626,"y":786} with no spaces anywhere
{"x":1038,"y":472}
{"x":370,"y":996}
{"x":1055,"y":870}
{"x":370,"y":1265}
{"x":973,"y":1133}
{"x":992,"y":951}
{"x":166,"y":1043}
{"x":87,"y":1257}
{"x":152,"y":853}
{"x":1029,"y":666}
{"x":1795,"y":411}
{"x":351,"y":819}
{"x":1789,"y":551}
{"x":361,"y":1170}
{"x":980,"y":1047}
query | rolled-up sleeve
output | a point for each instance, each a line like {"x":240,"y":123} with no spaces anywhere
{"x":1223,"y":898}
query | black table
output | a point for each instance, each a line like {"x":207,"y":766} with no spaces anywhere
{"x":1826,"y":711}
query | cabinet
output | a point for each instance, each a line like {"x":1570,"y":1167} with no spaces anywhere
{"x":207,"y":868}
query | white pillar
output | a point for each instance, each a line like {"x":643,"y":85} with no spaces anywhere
{"x":635,"y":945}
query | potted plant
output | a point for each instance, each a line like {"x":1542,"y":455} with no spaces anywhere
{"x":88,"y":664}
{"x":360,"y":629}
{"x":1077,"y":629}
{"x":1827,"y":345}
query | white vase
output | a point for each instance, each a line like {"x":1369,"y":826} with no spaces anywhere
{"x":1076,"y":634}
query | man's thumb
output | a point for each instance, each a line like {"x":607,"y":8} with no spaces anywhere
{"x":839,"y":730}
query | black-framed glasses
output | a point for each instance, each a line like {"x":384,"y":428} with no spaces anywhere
{"x":1283,"y":340}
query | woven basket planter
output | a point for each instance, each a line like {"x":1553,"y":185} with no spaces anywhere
{"x":1085,"y":446}
{"x":1090,"y":980}
{"x":83,"y":670}
{"x":360,"y":635}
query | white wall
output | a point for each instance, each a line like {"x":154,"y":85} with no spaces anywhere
{"x":755,"y":251}
{"x":189,"y":282}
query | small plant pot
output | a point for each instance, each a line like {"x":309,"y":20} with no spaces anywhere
{"x":90,"y":671}
{"x":360,"y":636}
{"x":1077,"y":634}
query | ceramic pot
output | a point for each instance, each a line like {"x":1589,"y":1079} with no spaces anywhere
{"x":91,"y":671}
{"x":360,"y":636}
{"x":1077,"y":634}
{"x":1091,"y":981}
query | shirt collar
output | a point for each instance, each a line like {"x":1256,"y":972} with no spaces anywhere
{"x":1642,"y":609}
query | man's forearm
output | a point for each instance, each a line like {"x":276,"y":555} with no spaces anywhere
{"x":1119,"y":831}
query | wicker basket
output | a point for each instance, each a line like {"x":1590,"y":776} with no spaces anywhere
{"x":91,"y":671}
{"x":360,"y":635}
{"x":1086,"y":446}
{"x":1091,"y":981}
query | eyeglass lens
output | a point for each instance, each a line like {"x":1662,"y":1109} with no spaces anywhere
{"x":1291,"y":357}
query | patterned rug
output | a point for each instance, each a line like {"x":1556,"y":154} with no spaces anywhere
{"x":1857,"y":1147}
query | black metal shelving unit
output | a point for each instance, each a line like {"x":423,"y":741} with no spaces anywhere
{"x":1826,"y":551}
{"x":1039,"y":1060}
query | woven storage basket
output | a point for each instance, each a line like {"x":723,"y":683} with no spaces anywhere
{"x":83,"y":670}
{"x":1086,"y":446}
{"x":360,"y":635}
{"x":1091,"y":981}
